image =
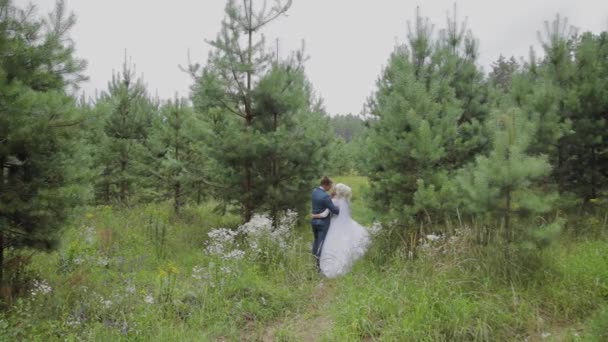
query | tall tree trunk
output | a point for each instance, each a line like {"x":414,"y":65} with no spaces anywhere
{"x":178,"y":186}
{"x":1,"y":256}
{"x":508,"y":234}
{"x":199,"y":191}
{"x":177,"y":196}
{"x":593,"y":173}
{"x":1,"y":223}
{"x":106,"y":192}
{"x":123,"y":181}
{"x":249,"y":117}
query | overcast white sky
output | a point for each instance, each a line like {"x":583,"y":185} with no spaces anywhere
{"x":348,"y":41}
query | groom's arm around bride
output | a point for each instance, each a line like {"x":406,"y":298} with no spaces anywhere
{"x":320,"y":226}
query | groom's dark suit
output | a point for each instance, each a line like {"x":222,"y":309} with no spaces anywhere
{"x":320,"y":226}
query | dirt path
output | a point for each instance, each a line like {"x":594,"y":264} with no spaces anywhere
{"x":310,"y":325}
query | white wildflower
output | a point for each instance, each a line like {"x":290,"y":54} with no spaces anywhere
{"x":199,"y":273}
{"x":130,"y":289}
{"x":103,"y":261}
{"x":41,"y":287}
{"x":106,"y":303}
{"x":433,"y":237}
{"x":375,"y":228}
{"x":73,"y":322}
{"x":89,"y":235}
{"x":220,"y":240}
{"x":262,"y":228}
{"x":545,"y":335}
{"x":257,"y":226}
{"x":149,"y":299}
{"x":253,"y":245}
{"x":234,"y":255}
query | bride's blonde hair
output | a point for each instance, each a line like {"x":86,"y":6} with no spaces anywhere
{"x":343,"y":191}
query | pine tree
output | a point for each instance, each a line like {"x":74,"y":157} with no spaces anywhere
{"x":238,"y":62}
{"x":293,"y":136}
{"x":127,"y":113}
{"x":557,"y":72}
{"x":505,"y":182}
{"x":415,"y":127}
{"x":39,"y":133}
{"x":173,"y":151}
{"x":414,"y":130}
{"x":267,"y":132}
{"x":502,"y":73}
{"x":585,"y":161}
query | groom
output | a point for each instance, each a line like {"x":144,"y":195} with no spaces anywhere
{"x":320,"y":226}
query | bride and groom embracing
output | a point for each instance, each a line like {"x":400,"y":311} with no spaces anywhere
{"x":338,"y":240}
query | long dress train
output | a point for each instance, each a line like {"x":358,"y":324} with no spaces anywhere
{"x":346,"y":241}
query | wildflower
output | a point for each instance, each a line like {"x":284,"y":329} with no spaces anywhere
{"x":198,"y":273}
{"x":103,"y":261}
{"x":73,"y":322}
{"x":172,"y":269}
{"x":375,"y":228}
{"x":234,"y":255}
{"x":148,"y":299}
{"x":89,"y":235}
{"x":254,"y":247}
{"x":41,"y":287}
{"x":106,"y":303}
{"x":433,"y":237}
{"x":220,"y":239}
{"x":261,"y":228}
{"x":130,"y":289}
{"x":545,"y":335}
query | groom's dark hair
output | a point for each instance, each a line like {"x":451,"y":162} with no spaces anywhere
{"x":325,"y":181}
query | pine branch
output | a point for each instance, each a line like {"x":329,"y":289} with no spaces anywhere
{"x":67,"y":124}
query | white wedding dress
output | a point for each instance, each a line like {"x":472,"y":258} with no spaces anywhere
{"x":346,"y":241}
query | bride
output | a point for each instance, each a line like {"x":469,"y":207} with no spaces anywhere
{"x":346,"y":240}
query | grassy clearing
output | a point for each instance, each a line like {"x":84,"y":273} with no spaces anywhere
{"x":143,"y":274}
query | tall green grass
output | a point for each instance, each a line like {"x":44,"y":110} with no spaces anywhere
{"x":142,"y":274}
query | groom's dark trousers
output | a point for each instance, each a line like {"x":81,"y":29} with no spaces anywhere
{"x":320,"y":226}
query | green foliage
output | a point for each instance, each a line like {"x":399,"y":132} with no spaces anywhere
{"x":269,"y":134}
{"x":127,"y":114}
{"x":348,"y":127}
{"x":502,"y":73}
{"x":176,"y":154}
{"x":599,"y":325}
{"x":453,"y":292}
{"x":503,"y":183}
{"x":347,"y":151}
{"x":413,"y":134}
{"x":583,"y":159}
{"x":428,"y":114}
{"x":117,"y":288}
{"x":41,"y":167}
